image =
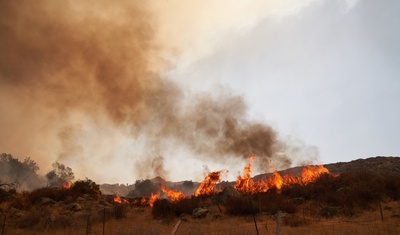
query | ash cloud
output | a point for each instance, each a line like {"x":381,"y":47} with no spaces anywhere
{"x":60,"y":62}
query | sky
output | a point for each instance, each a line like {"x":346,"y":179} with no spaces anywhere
{"x":178,"y":88}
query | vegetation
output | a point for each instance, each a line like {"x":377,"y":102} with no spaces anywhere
{"x":59,"y":175}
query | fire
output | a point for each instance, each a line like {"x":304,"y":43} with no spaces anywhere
{"x":311,"y":173}
{"x":173,"y":195}
{"x":153,"y":198}
{"x":245,"y":184}
{"x":208,"y":185}
{"x":66,"y":185}
{"x":120,"y":200}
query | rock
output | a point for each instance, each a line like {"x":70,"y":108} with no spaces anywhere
{"x":183,"y":217}
{"x":298,"y":200}
{"x":104,"y":203}
{"x":46,"y":201}
{"x":343,"y":190}
{"x":199,"y":213}
{"x":74,"y":207}
{"x":228,"y":192}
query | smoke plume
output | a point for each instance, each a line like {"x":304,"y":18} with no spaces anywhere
{"x":76,"y":78}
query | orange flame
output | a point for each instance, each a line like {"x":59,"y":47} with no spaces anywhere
{"x":66,"y":185}
{"x":311,"y":173}
{"x":208,"y":185}
{"x":120,"y":200}
{"x":173,"y":195}
{"x":245,"y":184}
{"x":153,"y":198}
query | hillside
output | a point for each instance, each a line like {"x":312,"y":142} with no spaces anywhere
{"x":378,"y":164}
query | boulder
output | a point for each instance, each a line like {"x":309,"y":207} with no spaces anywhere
{"x":228,"y":192}
{"x":104,"y":203}
{"x":74,"y":207}
{"x":46,"y":201}
{"x":199,"y":213}
{"x":297,"y":200}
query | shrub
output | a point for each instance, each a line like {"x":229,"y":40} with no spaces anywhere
{"x":165,"y":209}
{"x":120,"y":211}
{"x":162,"y":209}
{"x":86,"y":186}
{"x":240,"y":206}
{"x":37,"y":217}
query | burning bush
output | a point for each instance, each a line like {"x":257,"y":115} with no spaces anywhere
{"x":144,"y":188}
{"x":60,"y":175}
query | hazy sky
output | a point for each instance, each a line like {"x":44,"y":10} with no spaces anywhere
{"x":327,"y":74}
{"x":133,"y":90}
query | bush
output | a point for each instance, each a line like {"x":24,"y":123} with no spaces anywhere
{"x":86,"y":186}
{"x":37,"y":217}
{"x":120,"y":211}
{"x":240,"y":206}
{"x":165,"y":209}
{"x":162,"y":209}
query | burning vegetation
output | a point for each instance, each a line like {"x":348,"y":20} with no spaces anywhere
{"x":315,"y":191}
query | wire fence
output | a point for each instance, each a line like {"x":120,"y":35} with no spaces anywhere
{"x":100,"y":224}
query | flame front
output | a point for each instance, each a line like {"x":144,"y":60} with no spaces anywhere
{"x":246,"y":185}
{"x":120,"y":200}
{"x":208,"y":185}
{"x":173,"y":195}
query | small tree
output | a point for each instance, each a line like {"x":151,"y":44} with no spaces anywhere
{"x":59,"y":174}
{"x":20,"y":173}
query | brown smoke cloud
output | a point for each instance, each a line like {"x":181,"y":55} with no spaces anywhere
{"x":65,"y":65}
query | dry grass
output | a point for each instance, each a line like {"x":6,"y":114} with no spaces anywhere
{"x":140,"y":221}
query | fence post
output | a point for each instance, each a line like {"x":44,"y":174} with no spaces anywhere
{"x":4,"y":224}
{"x":254,"y":217}
{"x":380,"y":209}
{"x":176,"y":227}
{"x":104,"y":219}
{"x":278,"y":222}
{"x":89,"y":225}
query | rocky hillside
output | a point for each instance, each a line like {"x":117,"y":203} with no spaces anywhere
{"x":375,"y":164}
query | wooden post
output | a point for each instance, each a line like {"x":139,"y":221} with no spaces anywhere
{"x":278,"y":222}
{"x":4,"y":225}
{"x":254,"y":217}
{"x":380,"y":209}
{"x":89,"y":225}
{"x":104,"y":220}
{"x":176,"y":227}
{"x":219,"y":208}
